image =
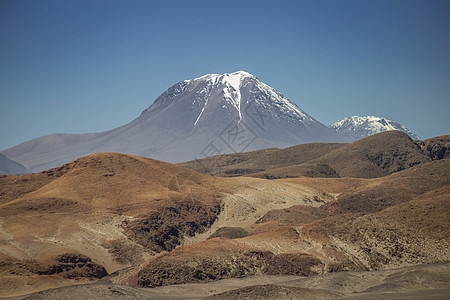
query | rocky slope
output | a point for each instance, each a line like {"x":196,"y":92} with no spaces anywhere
{"x":381,"y":223}
{"x":374,"y":156}
{"x":119,"y":210}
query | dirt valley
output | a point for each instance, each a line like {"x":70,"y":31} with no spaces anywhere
{"x":363,"y":220}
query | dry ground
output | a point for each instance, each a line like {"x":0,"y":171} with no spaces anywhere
{"x":419,"y":282}
{"x":150,"y":224}
{"x":105,"y":206}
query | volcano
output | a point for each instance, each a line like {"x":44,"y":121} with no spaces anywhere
{"x":210,"y":115}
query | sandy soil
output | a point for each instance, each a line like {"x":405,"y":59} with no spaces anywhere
{"x":252,"y":198}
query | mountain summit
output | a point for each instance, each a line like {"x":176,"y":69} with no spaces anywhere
{"x":229,"y":94}
{"x":355,"y":128}
{"x":196,"y":118}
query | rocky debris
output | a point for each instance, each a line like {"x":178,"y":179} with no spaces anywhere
{"x":233,"y":264}
{"x":164,"y":229}
{"x":415,"y":232}
{"x":436,"y":148}
{"x":68,"y":265}
{"x":72,"y":265}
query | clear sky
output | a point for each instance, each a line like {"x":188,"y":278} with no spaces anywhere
{"x":91,"y":65}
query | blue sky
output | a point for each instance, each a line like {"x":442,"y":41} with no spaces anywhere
{"x":93,"y":65}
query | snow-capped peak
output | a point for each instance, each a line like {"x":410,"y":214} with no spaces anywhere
{"x":357,"y":127}
{"x":230,"y":94}
{"x":236,"y":76}
{"x":230,"y":83}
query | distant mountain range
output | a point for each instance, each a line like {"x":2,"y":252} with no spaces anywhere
{"x":210,"y":115}
{"x":8,"y":166}
{"x":374,"y":156}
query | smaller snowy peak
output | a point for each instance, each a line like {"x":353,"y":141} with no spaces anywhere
{"x":356,"y":127}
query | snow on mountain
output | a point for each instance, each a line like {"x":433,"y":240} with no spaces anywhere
{"x":212,"y":114}
{"x":355,"y":128}
{"x":234,"y":91}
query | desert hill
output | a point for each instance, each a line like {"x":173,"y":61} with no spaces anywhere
{"x":376,"y":194}
{"x":411,"y":227}
{"x":118,"y":210}
{"x":83,"y":207}
{"x":151,"y":223}
{"x":249,"y":163}
{"x":104,"y":185}
{"x":375,"y":156}
{"x":394,"y":189}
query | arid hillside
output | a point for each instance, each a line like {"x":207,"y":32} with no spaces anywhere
{"x":375,"y":156}
{"x":249,"y":163}
{"x":90,"y":207}
{"x":141,"y":223}
{"x":437,"y":147}
{"x":113,"y":211}
{"x":413,"y":283}
{"x":411,"y":227}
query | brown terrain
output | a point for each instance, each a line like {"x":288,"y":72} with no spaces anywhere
{"x":249,"y":163}
{"x":120,"y":226}
{"x":375,"y":156}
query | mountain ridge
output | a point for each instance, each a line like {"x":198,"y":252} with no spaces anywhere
{"x":374,"y":156}
{"x":196,"y":118}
